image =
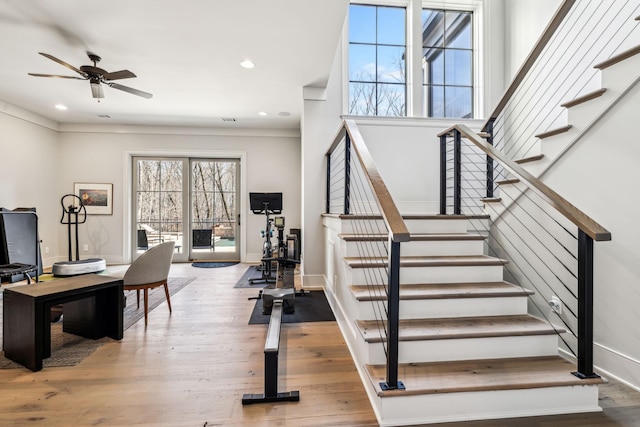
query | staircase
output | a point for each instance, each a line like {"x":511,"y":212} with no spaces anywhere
{"x":468,"y":348}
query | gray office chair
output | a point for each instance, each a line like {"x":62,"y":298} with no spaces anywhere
{"x":150,"y":270}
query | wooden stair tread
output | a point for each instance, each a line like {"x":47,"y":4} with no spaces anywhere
{"x":408,"y":216}
{"x":618,"y":58}
{"x":530,"y":159}
{"x":426,"y":261}
{"x":553,"y":132}
{"x":508,"y":181}
{"x":480,"y":375}
{"x":491,"y":199}
{"x":414,"y":237}
{"x":459,"y":328}
{"x":442,"y":291}
{"x":584,"y":98}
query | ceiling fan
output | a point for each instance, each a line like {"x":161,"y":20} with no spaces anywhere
{"x":96,"y":76}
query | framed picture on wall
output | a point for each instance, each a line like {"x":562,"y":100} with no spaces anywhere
{"x":97,"y":198}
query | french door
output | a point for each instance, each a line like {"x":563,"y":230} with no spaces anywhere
{"x":193,"y":202}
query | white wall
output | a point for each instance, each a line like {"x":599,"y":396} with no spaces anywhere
{"x":30,"y":167}
{"x":594,"y":176}
{"x":103,"y":155}
{"x":524,"y":21}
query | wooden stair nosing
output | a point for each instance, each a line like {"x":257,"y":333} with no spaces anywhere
{"x":408,"y":216}
{"x":427,"y":261}
{"x":584,"y":98}
{"x":415,"y":237}
{"x":442,"y":291}
{"x":552,"y":132}
{"x":618,"y":58}
{"x":491,"y":200}
{"x":508,"y":181}
{"x":530,"y":159}
{"x":480,"y":375}
{"x":460,"y":328}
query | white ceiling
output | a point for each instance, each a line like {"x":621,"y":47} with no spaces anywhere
{"x":185,"y":52}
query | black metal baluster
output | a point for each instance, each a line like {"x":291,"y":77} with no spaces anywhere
{"x":347,"y":173}
{"x":489,"y":129}
{"x":393,"y":319}
{"x":457,"y":172}
{"x":443,"y":175}
{"x":328,"y":200}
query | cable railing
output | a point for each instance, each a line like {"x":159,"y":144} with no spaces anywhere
{"x":554,"y":74}
{"x":356,"y":190}
{"x":547,"y":240}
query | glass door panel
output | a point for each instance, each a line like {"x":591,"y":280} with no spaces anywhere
{"x":158,"y":202}
{"x":214,"y":209}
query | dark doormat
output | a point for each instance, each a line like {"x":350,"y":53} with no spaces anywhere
{"x":252,"y":272}
{"x":312,"y":307}
{"x":208,"y":264}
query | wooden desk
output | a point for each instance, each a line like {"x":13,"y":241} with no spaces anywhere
{"x":92,"y":307}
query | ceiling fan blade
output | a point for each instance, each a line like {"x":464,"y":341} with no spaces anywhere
{"x":117,"y":75}
{"x":131,"y":90}
{"x":61,"y":62}
{"x":56,"y":76}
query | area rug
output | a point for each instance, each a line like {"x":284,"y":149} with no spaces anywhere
{"x":312,"y":307}
{"x":251,"y":273}
{"x":69,"y":350}
{"x":202,"y":264}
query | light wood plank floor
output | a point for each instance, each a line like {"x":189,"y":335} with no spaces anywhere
{"x":192,"y":368}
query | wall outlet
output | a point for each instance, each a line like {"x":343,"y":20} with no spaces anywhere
{"x":85,"y":248}
{"x":555,"y":304}
{"x":46,"y":250}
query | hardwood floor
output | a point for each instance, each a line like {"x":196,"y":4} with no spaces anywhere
{"x":191,"y":368}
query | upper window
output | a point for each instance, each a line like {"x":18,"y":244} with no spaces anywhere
{"x":447,"y":63}
{"x":377,"y":48}
{"x":381,"y":50}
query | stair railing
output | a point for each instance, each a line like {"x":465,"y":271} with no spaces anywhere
{"x":355,"y":188}
{"x":543,"y":250}
{"x":553,"y":74}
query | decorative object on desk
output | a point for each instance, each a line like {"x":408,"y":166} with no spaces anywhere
{"x":69,"y":350}
{"x":206,"y":264}
{"x":97,"y":198}
{"x":312,"y":307}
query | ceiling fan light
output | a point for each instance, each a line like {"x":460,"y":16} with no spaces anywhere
{"x":96,"y":90}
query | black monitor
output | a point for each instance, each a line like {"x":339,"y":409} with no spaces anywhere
{"x":265,"y":202}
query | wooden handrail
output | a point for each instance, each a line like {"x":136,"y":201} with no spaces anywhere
{"x":572,"y":213}
{"x":390,"y":214}
{"x":546,"y":35}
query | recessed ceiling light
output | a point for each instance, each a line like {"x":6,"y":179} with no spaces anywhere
{"x":262,"y":113}
{"x":61,"y":107}
{"x":284,"y":114}
{"x":247,"y":64}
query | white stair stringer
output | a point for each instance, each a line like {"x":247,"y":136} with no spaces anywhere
{"x":475,"y":400}
{"x":617,"y":80}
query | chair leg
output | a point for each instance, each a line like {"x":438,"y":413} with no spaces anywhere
{"x":166,"y":292}
{"x":138,"y":297}
{"x":146,"y":306}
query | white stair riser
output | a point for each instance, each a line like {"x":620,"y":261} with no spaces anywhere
{"x":447,"y":308}
{"x":417,"y":248}
{"x":466,"y":349}
{"x":451,"y":407}
{"x":450,"y":226}
{"x":418,"y":275}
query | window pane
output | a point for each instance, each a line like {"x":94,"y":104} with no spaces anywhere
{"x":362,"y":99}
{"x":362,"y":62}
{"x":433,"y":66}
{"x":391,"y":25}
{"x":391,"y":64}
{"x":362,"y":24}
{"x":458,"y":30}
{"x":459,"y":102}
{"x":391,"y":100}
{"x":458,"y":67}
{"x":433,"y":101}
{"x":432,"y":28}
